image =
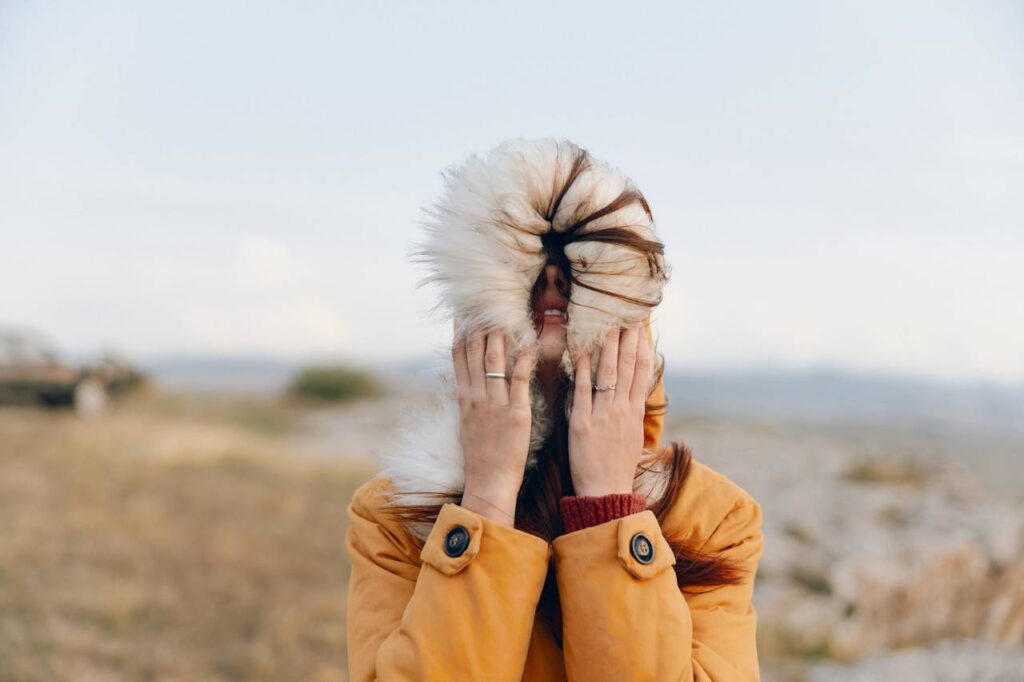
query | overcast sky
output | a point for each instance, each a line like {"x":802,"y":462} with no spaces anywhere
{"x":837,"y":183}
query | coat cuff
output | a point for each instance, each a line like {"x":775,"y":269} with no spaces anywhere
{"x":459,"y":535}
{"x":583,"y":511}
{"x":636,"y":542}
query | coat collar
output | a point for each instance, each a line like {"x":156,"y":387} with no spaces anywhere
{"x":484,"y":247}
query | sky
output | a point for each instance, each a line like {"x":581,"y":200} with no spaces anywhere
{"x":837,"y":184}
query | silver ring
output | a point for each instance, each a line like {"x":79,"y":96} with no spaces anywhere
{"x":605,"y":388}
{"x":495,"y":375}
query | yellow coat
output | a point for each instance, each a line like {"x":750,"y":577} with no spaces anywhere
{"x":416,"y":613}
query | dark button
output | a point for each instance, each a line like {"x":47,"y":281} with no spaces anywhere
{"x":456,"y":541}
{"x":642,"y":548}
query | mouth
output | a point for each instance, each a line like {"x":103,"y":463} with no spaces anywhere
{"x":552,"y":315}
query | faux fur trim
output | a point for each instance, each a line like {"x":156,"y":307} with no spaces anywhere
{"x":484,"y":249}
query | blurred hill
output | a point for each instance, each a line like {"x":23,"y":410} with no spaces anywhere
{"x":839,"y":396}
{"x":985,"y":420}
{"x":815,"y":394}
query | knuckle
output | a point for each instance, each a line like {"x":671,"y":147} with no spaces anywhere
{"x":629,"y":357}
{"x":579,"y":427}
{"x":492,"y":357}
{"x":523,"y":362}
{"x":519,"y":417}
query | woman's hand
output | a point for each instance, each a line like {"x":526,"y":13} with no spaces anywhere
{"x":495,"y":420}
{"x":606,"y":428}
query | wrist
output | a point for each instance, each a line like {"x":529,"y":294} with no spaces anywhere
{"x":494,"y":489}
{"x":497,"y":503}
{"x":602,"y":489}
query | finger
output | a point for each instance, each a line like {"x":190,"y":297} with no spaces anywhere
{"x":494,"y":361}
{"x":583,"y":398}
{"x":459,"y":360}
{"x":519,"y":391}
{"x":607,"y":369}
{"x":627,"y":362}
{"x":475,"y":361}
{"x":644,"y":365}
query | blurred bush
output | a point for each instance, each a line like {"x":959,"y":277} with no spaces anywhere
{"x":334,"y":383}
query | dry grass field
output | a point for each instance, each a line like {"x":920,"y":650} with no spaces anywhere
{"x":169,"y":541}
{"x":201,"y":538}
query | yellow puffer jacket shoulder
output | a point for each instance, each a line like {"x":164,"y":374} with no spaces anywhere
{"x":463,"y":604}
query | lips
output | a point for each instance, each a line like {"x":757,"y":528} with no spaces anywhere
{"x":552,"y":310}
{"x":553,"y":301}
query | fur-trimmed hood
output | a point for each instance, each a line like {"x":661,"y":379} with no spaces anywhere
{"x":487,"y":240}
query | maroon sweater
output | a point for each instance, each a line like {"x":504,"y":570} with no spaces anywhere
{"x":583,"y":511}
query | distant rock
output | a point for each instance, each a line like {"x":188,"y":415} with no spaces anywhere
{"x":968,"y":661}
{"x":871,"y":544}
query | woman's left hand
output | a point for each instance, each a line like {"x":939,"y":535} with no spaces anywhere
{"x":606,"y":428}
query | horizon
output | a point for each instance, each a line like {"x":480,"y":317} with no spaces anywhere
{"x":429,"y":358}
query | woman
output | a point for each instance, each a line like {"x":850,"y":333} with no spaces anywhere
{"x":531,"y":527}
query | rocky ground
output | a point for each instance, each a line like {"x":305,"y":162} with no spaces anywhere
{"x":891,"y":552}
{"x":942,"y":662}
{"x":885,"y":558}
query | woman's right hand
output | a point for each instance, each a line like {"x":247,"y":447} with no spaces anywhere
{"x":495,"y":420}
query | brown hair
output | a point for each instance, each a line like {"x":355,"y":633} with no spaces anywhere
{"x":537,"y":508}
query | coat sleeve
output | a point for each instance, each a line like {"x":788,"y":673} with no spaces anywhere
{"x":467,"y":613}
{"x":625,"y":618}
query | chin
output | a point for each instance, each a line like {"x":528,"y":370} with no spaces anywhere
{"x":551,"y":345}
{"x":550,"y":353}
